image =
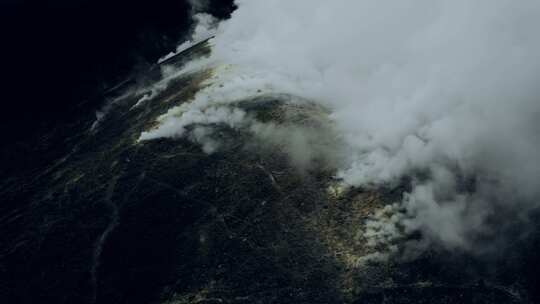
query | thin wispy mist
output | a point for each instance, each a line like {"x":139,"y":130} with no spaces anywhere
{"x":443,"y":92}
{"x":198,"y":6}
{"x":204,"y":28}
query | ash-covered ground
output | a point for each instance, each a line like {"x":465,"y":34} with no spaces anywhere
{"x":94,"y":214}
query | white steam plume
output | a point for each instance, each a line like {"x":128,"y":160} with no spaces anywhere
{"x":448,"y":88}
{"x":445,"y":91}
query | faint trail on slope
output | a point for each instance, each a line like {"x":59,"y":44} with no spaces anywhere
{"x":115,"y":219}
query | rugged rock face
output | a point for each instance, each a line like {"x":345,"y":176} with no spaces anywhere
{"x":99,"y":217}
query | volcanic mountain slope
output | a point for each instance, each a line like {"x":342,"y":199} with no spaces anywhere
{"x":99,"y":216}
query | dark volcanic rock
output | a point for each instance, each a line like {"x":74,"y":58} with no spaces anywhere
{"x":94,"y":216}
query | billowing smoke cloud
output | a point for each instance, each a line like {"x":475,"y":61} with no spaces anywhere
{"x":445,"y":92}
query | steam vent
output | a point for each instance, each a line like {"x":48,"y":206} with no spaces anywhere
{"x":149,"y":201}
